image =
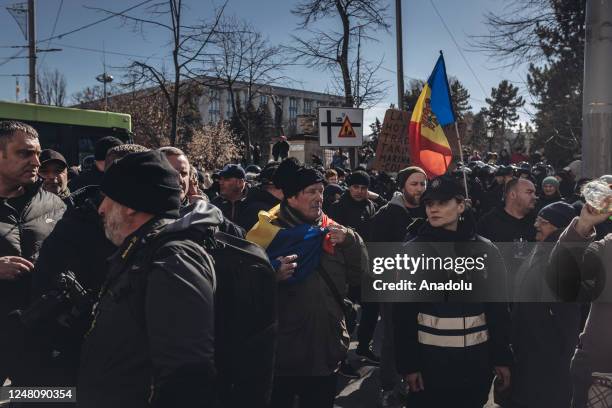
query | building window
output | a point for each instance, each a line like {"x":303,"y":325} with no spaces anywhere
{"x":293,"y":111}
{"x":229,"y":109}
{"x":307,"y":107}
{"x":214,"y":109}
{"x":263,"y":100}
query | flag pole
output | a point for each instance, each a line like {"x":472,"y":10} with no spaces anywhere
{"x":461,"y":158}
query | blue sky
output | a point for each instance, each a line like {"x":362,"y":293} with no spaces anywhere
{"x":423,"y":35}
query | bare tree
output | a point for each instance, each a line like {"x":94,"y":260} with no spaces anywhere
{"x":244,"y":61}
{"x":516,"y":35}
{"x":188,"y":47}
{"x":52,"y":88}
{"x":331,"y":50}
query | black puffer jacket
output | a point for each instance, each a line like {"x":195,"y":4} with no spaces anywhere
{"x":22,"y":235}
{"x":354,"y":214}
{"x":152,"y":340}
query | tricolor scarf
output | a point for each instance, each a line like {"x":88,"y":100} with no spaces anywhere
{"x":282,"y":232}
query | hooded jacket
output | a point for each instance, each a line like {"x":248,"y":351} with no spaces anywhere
{"x":152,"y":339}
{"x":391,"y":222}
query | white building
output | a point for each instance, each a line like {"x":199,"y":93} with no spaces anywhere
{"x":215,"y":104}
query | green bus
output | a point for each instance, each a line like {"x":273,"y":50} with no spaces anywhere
{"x":72,"y":132}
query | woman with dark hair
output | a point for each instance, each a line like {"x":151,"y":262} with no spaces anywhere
{"x":448,"y":349}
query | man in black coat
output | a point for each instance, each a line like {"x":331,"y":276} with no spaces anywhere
{"x":356,"y":211}
{"x":263,"y":197}
{"x":280,"y":149}
{"x":77,"y":245}
{"x":232,"y":198}
{"x":28,"y":214}
{"x":392,"y":220}
{"x":512,"y":225}
{"x":93,"y":177}
{"x":152,"y":338}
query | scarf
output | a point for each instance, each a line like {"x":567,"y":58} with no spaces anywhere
{"x":282,"y":231}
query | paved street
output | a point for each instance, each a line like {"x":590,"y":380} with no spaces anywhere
{"x":363,"y":392}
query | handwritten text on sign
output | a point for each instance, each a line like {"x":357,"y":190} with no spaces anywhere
{"x":392,"y":153}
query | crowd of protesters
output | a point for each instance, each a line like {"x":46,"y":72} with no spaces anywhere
{"x":139,"y":234}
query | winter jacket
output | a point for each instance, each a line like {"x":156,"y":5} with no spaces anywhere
{"x":499,"y":226}
{"x":454,"y":344}
{"x":225,"y":225}
{"x":22,"y":235}
{"x":391,"y":222}
{"x":257,"y":200}
{"x":280,"y":150}
{"x":91,"y":177}
{"x":152,"y":339}
{"x":544,"y":336}
{"x":235,"y":211}
{"x":580,"y":269}
{"x":354,"y":214}
{"x":77,"y":244}
{"x":492,"y":198}
{"x":312,"y":338}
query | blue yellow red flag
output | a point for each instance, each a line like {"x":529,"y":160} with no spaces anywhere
{"x":429,"y":146}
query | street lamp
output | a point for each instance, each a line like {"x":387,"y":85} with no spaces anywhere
{"x":105,"y":79}
{"x":490,"y":135}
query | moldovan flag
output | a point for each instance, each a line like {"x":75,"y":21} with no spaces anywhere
{"x":429,"y":146}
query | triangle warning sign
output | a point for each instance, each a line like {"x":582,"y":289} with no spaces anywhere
{"x":347,"y":129}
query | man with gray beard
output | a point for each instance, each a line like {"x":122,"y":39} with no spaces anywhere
{"x":152,"y":338}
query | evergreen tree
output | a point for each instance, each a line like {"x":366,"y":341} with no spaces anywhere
{"x":479,"y":130}
{"x":460,"y":97}
{"x":549,"y":35}
{"x":502,"y":111}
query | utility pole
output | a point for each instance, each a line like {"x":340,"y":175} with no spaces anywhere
{"x":597,"y":92}
{"x":32,"y":47}
{"x":357,"y":98}
{"x":400,"y":55}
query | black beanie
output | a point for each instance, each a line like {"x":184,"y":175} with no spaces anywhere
{"x":144,"y":182}
{"x":403,"y":175}
{"x":559,"y":214}
{"x":358,"y":177}
{"x":103,"y":145}
{"x":291,"y":177}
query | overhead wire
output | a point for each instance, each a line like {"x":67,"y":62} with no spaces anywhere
{"x":458,"y":48}
{"x":57,"y":15}
{"x":119,"y":13}
{"x":106,"y":51}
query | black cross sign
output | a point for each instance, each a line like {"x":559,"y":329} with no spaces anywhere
{"x":329,"y":124}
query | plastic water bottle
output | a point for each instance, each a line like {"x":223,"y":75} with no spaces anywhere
{"x":595,"y":193}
